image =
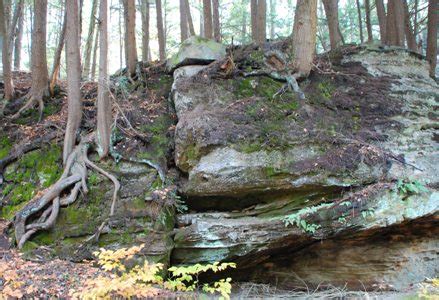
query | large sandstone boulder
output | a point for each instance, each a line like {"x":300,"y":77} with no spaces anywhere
{"x":196,"y":51}
{"x":353,"y":165}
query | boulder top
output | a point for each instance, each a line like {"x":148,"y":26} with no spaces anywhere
{"x":196,"y":51}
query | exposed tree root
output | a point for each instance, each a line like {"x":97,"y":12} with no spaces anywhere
{"x":33,"y":99}
{"x":64,"y":192}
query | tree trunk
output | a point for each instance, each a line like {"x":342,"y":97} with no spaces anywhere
{"x":254,"y":19}
{"x":103,"y":103}
{"x":130,"y":35}
{"x":160,"y":30}
{"x":144,"y":6}
{"x":382,"y":19}
{"x":395,"y":23}
{"x":95,"y":54}
{"x":40,"y":76}
{"x":272,"y":17}
{"x":207,"y":13}
{"x":7,"y":69}
{"x":121,"y":39}
{"x":184,"y":34}
{"x":13,"y":28}
{"x":368,"y":21}
{"x":18,"y":42}
{"x":89,"y":42}
{"x":262,"y":21}
{"x":216,"y":21}
{"x":360,"y":21}
{"x":331,"y":11}
{"x":73,"y":78}
{"x":189,"y":17}
{"x":433,"y":10}
{"x":304,"y":36}
{"x":409,"y":34}
{"x":57,"y":57}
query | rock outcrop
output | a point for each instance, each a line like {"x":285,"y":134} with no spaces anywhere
{"x":317,"y":191}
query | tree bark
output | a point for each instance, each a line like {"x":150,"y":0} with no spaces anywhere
{"x":95,"y":54}
{"x":331,"y":11}
{"x":395,"y":23}
{"x":18,"y":42}
{"x":57,"y":57}
{"x":304,"y":36}
{"x":272,"y":17}
{"x":207,"y":13}
{"x":103,"y":103}
{"x":254,"y":19}
{"x":360,"y":21}
{"x":216,"y":21}
{"x":73,"y":78}
{"x":89,"y":42}
{"x":368,"y":21}
{"x":144,"y":6}
{"x":433,"y":11}
{"x":189,"y":18}
{"x":409,"y":34}
{"x":7,"y":69}
{"x":382,"y":20}
{"x":160,"y":30}
{"x":40,"y":76}
{"x":262,"y":21}
{"x":184,"y":32}
{"x":130,"y":35}
{"x":13,"y":28}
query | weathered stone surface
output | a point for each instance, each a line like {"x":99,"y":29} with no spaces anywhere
{"x":196,"y":51}
{"x":255,"y":158}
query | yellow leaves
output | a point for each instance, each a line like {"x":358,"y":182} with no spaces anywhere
{"x":143,"y":281}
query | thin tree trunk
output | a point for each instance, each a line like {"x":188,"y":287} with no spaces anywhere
{"x":95,"y":54}
{"x":189,"y":18}
{"x":13,"y":28}
{"x":368,"y":21}
{"x":304,"y":36}
{"x":254,"y":19}
{"x":433,"y":11}
{"x":73,"y":78}
{"x":184,"y":33}
{"x":216,"y":21}
{"x":57,"y":57}
{"x":89,"y":42}
{"x":144,"y":4}
{"x":121,"y":39}
{"x":360,"y":21}
{"x":160,"y":30}
{"x":262,"y":21}
{"x":18,"y":42}
{"x":244,"y":26}
{"x":272,"y":16}
{"x":415,"y":18}
{"x":7,"y":70}
{"x":409,"y":34}
{"x":207,"y":12}
{"x":103,"y":103}
{"x":40,"y":76}
{"x":382,"y":20}
{"x":331,"y":11}
{"x":130,"y":35}
{"x":201,"y":20}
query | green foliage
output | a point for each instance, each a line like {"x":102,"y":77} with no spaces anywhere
{"x":298,"y":219}
{"x":185,"y":278}
{"x":367,"y":213}
{"x":5,"y":146}
{"x":144,"y":281}
{"x":410,"y":187}
{"x":326,"y":89}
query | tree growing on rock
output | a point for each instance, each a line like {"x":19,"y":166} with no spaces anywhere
{"x":130,"y":35}
{"x":395,"y":23}
{"x":207,"y":17}
{"x":331,"y":11}
{"x":382,"y":20}
{"x":433,"y":17}
{"x":40,"y":77}
{"x":304,"y":36}
{"x":160,"y":30}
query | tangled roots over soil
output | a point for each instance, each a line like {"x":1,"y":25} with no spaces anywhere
{"x":44,"y":208}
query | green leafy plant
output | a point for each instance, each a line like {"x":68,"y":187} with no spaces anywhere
{"x":367,"y":213}
{"x":298,"y":219}
{"x":185,"y":279}
{"x":410,"y":187}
